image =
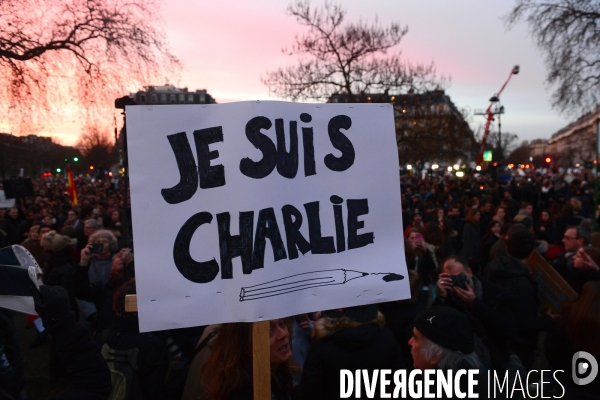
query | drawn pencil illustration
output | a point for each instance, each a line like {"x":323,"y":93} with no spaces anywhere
{"x":308,"y":280}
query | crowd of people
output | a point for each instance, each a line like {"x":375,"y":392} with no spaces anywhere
{"x":474,"y":303}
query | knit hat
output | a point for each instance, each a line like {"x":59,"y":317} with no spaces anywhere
{"x":447,"y":327}
{"x":61,"y":241}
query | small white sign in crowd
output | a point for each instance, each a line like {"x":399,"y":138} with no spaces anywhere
{"x":259,"y":210}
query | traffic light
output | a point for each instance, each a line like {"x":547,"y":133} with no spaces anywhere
{"x":547,"y":160}
{"x":58,"y":170}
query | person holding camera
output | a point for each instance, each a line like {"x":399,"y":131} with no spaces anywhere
{"x":97,"y":257}
{"x":488,"y":307}
{"x":421,"y":257}
{"x":100,"y":294}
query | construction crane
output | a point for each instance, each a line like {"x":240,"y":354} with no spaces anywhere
{"x":490,"y":115}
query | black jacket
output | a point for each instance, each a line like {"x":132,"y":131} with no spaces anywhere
{"x":515,"y":276}
{"x":87,"y":370}
{"x":341,"y":343}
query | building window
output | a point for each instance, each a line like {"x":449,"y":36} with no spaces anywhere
{"x":190,"y":98}
{"x":172,"y":98}
{"x":182,"y":98}
{"x":154,"y":98}
{"x":163,"y":98}
{"x":202,"y":98}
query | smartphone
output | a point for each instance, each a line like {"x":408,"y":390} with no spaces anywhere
{"x":96,"y":248}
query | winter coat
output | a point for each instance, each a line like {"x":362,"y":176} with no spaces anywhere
{"x":515,"y":276}
{"x":86,"y":369}
{"x":340,"y":343}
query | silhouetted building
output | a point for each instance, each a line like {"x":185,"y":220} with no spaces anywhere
{"x":576,"y":142}
{"x":169,"y":94}
{"x":429,"y":127}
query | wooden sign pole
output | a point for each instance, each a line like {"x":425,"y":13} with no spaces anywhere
{"x":261,"y":353}
{"x":261,"y":360}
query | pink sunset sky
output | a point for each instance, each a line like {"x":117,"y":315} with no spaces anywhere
{"x":227,"y":45}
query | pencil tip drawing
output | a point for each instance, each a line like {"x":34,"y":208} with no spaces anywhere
{"x":308,"y":280}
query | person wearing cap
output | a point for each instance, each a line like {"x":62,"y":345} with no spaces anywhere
{"x":443,"y":339}
{"x":349,"y":338}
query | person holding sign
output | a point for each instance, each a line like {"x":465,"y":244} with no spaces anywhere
{"x":227,"y":373}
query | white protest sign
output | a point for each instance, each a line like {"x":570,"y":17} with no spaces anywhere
{"x":259,"y":210}
{"x":4,"y":202}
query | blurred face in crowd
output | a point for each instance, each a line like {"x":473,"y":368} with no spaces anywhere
{"x":417,"y":219}
{"x":115,"y":216}
{"x":416,"y":343}
{"x":47,"y":220}
{"x":496,"y":228}
{"x":477,"y":216}
{"x":89,"y":229}
{"x":34,"y":232}
{"x":501,"y":213}
{"x":440,"y":214}
{"x":71,"y":216}
{"x":545,"y":216}
{"x":13,"y":213}
{"x":571,"y":241}
{"x":281,"y":350}
{"x":528,"y":209}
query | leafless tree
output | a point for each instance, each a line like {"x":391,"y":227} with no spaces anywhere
{"x":347,"y":58}
{"x":77,"y":53}
{"x":568,"y":32}
{"x":96,"y":146}
{"x":521,"y":154}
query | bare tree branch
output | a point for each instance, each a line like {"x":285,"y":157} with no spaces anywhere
{"x":346,"y":58}
{"x":568,"y":32}
{"x":82,"y":53}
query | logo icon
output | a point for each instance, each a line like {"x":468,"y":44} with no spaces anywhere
{"x":584,"y":367}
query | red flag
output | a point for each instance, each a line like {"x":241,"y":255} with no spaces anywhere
{"x":71,"y":186}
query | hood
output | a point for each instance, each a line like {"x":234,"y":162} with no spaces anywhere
{"x":347,"y":333}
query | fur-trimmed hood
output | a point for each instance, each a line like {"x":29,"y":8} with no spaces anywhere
{"x":348,"y":333}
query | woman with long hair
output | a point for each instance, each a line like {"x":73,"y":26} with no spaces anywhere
{"x":227,"y":373}
{"x":546,"y":228}
{"x":578,"y":329}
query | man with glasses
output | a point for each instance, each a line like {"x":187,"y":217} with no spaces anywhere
{"x":575,"y":238}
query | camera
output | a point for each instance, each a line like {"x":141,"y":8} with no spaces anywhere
{"x":459,"y":280}
{"x":96,"y":248}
